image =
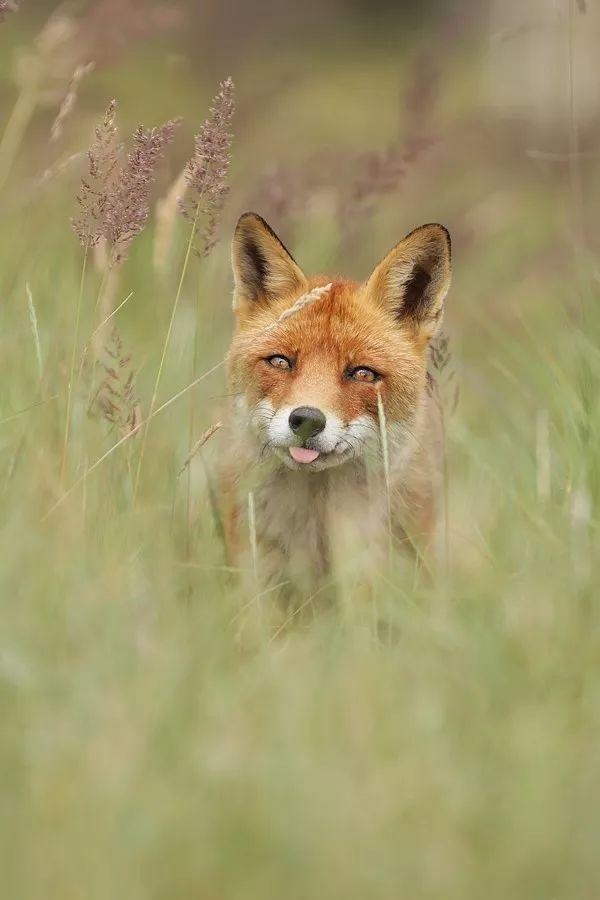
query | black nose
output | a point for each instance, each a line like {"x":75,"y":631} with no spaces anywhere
{"x":306,"y":421}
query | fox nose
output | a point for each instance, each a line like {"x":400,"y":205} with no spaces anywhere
{"x":306,"y":421}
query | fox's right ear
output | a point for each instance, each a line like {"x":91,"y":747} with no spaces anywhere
{"x":263,"y":269}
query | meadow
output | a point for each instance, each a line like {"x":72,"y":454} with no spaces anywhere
{"x":166,"y":730}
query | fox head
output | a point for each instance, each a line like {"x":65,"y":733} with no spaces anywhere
{"x":311,"y":355}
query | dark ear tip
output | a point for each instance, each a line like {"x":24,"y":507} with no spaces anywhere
{"x":249,"y":218}
{"x":441,"y":230}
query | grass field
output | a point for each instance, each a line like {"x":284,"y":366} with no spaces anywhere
{"x":165,"y":731}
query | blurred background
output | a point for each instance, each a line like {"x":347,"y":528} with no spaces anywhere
{"x":402,"y":112}
{"x":355,"y":122}
{"x":157,"y":740}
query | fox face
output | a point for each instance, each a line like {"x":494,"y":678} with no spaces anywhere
{"x":313,"y":359}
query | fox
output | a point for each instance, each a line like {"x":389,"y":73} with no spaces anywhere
{"x":334,"y":433}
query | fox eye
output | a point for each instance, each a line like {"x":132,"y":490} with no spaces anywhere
{"x":279,"y":362}
{"x":363,"y":373}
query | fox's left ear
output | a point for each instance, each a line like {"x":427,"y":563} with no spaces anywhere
{"x":413,"y":279}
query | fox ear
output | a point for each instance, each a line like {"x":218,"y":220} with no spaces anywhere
{"x":413,"y":279}
{"x":263,"y":269}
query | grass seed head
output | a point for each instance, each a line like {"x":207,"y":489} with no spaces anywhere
{"x":207,"y":171}
{"x":128,"y":204}
{"x":8,"y":6}
{"x":96,"y":186}
{"x":116,"y":397}
{"x":114,"y":198}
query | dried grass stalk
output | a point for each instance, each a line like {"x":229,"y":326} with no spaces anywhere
{"x":305,"y":301}
{"x":116,"y":397}
{"x":69,"y":100}
{"x":54,"y":171}
{"x":115,"y":195}
{"x":129,"y":204}
{"x":252,"y":533}
{"x":542,"y":454}
{"x":103,"y":159}
{"x":199,"y":444}
{"x":208,"y":169}
{"x":385,"y":455}
{"x":301,"y":303}
{"x":35,"y":330}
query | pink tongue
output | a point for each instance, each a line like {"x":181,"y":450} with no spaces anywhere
{"x":303,"y":454}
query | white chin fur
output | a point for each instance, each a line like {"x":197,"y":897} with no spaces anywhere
{"x":337,"y":443}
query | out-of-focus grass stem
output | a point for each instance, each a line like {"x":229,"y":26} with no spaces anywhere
{"x":163,"y":357}
{"x":252,"y":533}
{"x":72,"y":367}
{"x":14,"y":132}
{"x":386,"y":466}
{"x":34,"y":328}
{"x":192,"y":425}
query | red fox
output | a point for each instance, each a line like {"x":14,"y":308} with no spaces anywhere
{"x":324,"y":372}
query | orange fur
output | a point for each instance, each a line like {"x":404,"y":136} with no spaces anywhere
{"x":383,"y":326}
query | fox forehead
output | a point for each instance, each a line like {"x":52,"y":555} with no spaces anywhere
{"x":341,"y":324}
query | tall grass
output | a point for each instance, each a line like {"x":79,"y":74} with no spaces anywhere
{"x":169,"y":731}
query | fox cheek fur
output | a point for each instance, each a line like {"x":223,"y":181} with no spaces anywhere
{"x":308,"y":362}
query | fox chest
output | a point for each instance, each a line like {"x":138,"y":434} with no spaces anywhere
{"x":309,"y":525}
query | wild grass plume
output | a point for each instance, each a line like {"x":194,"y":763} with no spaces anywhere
{"x":97,"y":185}
{"x":115,"y":195}
{"x":207,"y":170}
{"x":117,"y":398}
{"x":8,"y":6}
{"x":129,"y":206}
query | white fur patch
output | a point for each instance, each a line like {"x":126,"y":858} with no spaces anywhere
{"x":336,"y":443}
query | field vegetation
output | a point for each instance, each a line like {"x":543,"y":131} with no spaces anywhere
{"x":167,"y":731}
